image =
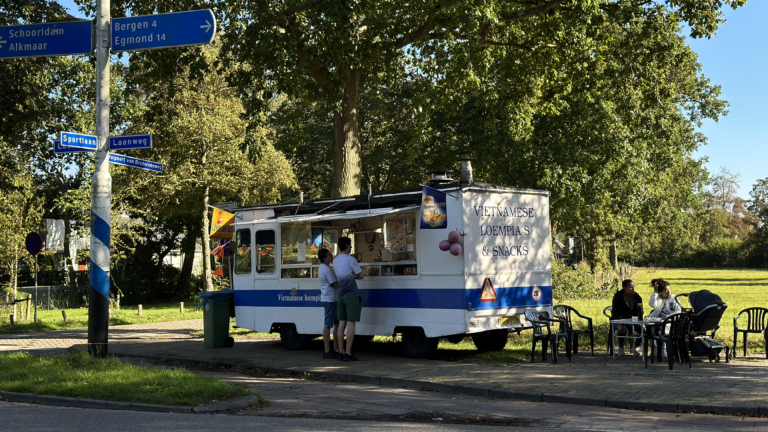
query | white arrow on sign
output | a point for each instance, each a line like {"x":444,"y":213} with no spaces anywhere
{"x":4,"y":41}
{"x":207,"y":26}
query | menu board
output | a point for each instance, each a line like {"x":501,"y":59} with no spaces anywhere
{"x":396,"y":241}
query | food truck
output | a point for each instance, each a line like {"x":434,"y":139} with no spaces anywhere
{"x":455,"y":259}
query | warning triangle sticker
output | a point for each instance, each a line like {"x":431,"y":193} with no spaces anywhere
{"x":488,"y":295}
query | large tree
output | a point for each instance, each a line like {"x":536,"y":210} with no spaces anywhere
{"x":200,"y":134}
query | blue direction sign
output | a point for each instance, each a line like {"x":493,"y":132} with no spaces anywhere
{"x":59,"y":149}
{"x":163,"y":30}
{"x":42,"y":40}
{"x":81,"y":141}
{"x":135,"y":163}
{"x":130,"y":142}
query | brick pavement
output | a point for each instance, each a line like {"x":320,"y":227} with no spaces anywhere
{"x":742,"y":383}
{"x":292,"y":397}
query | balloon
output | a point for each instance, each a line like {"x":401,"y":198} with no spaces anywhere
{"x":445,"y":245}
{"x":455,"y":249}
{"x":454,"y":237}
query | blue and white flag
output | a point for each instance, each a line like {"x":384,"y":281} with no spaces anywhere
{"x":434,"y":213}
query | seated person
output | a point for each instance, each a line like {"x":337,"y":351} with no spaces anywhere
{"x":627,"y":304}
{"x":664,"y":304}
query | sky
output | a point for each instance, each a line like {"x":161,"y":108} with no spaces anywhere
{"x":736,"y":59}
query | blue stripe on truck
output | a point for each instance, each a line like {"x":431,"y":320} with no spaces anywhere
{"x":407,"y":298}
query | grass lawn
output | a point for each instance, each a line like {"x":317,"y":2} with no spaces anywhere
{"x":78,"y":318}
{"x":79,"y":375}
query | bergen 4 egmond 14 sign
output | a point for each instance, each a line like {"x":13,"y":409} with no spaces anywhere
{"x":135,"y":163}
{"x":131,"y":142}
{"x":163,"y":30}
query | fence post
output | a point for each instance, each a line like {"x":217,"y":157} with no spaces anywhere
{"x":139,"y":310}
{"x":118,"y":301}
{"x":12,"y":321}
{"x":181,"y":308}
{"x":64,"y":314}
{"x":29,"y":306}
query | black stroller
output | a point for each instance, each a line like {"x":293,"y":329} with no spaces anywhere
{"x":707,"y":308}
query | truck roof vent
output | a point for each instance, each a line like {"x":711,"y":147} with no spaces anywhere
{"x":440,"y":177}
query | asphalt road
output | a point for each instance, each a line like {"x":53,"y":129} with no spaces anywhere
{"x":18,"y":417}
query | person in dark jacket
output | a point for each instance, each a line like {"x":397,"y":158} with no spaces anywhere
{"x":627,"y":304}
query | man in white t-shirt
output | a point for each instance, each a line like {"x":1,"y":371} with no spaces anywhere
{"x":328,"y":286}
{"x":347,"y":271}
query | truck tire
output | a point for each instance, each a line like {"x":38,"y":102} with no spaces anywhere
{"x":494,"y":340}
{"x":291,"y":339}
{"x":417,"y":344}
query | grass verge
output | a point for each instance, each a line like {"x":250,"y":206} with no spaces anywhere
{"x":77,"y":374}
{"x":78,"y":318}
{"x":241,"y":332}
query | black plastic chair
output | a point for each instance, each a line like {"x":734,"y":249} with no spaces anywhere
{"x":552,"y":337}
{"x":756,"y":323}
{"x":612,"y":330}
{"x":566,"y":313}
{"x":675,"y":340}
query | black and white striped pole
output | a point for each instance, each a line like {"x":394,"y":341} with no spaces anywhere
{"x":101,"y":196}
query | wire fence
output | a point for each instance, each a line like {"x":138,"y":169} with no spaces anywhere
{"x":54,"y":297}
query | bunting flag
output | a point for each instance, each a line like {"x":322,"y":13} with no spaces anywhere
{"x":219,"y":272}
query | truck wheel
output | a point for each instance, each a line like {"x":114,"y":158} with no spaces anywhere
{"x":291,"y":339}
{"x":494,"y":340}
{"x":417,"y":344}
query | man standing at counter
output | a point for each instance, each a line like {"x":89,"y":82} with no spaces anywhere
{"x":349,"y":304}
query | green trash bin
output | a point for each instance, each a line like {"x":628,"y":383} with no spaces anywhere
{"x":217,"y":306}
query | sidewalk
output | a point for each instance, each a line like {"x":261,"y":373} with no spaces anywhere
{"x":725,"y":388}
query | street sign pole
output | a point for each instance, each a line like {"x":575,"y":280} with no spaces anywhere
{"x":101,"y":195}
{"x":35,"y":288}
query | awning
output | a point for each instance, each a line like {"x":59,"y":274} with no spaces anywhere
{"x":352,"y":214}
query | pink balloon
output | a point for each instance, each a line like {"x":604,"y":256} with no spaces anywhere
{"x":445,"y":245}
{"x":455,"y":249}
{"x":454,"y":237}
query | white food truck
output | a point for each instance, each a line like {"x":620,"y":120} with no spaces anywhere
{"x":411,"y":286}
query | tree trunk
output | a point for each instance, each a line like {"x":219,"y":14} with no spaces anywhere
{"x":614,"y":255}
{"x":188,"y":250}
{"x":347,"y":161}
{"x":206,"y":241}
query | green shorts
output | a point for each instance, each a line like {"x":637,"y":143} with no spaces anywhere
{"x":349,"y":309}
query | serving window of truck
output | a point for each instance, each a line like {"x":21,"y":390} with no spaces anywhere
{"x":384,"y":245}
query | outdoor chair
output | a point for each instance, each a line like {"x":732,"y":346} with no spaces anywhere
{"x":675,"y":340}
{"x":612,"y":330}
{"x":566,"y":314}
{"x":756,"y":323}
{"x":552,"y":337}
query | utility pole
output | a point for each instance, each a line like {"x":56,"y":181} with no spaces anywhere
{"x":101,"y":195}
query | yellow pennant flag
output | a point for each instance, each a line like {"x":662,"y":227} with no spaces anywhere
{"x":222,"y":224}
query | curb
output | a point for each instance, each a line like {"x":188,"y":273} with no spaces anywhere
{"x":490,"y":391}
{"x":61,"y":401}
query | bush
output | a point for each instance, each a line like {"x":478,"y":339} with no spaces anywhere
{"x":570,"y":283}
